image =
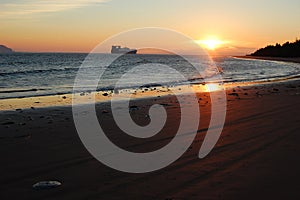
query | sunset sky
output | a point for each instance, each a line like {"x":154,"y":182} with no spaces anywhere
{"x":229,"y":26}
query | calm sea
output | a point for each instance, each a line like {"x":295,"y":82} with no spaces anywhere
{"x":35,"y":74}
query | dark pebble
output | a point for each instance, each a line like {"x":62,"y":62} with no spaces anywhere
{"x":234,"y":94}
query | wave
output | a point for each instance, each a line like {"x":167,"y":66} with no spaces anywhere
{"x":37,"y":71}
{"x":49,"y":92}
{"x":24,"y":90}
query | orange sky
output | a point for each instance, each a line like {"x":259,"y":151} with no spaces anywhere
{"x":79,"y":25}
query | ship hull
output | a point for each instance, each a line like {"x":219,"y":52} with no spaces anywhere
{"x":120,"y":50}
{"x":124,"y":52}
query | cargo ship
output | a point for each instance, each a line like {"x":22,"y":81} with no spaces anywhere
{"x":122,"y":50}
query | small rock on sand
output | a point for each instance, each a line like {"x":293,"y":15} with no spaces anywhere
{"x":234,"y":94}
{"x":132,"y":108}
{"x":46,"y":185}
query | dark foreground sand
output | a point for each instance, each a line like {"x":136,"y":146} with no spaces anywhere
{"x":257,"y":156}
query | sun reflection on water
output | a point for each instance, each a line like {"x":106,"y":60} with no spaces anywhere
{"x":211,"y":87}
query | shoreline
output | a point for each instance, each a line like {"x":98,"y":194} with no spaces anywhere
{"x":294,"y":60}
{"x":87,"y":97}
{"x":60,"y":100}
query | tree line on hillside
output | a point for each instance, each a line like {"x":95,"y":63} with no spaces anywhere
{"x":286,"y":50}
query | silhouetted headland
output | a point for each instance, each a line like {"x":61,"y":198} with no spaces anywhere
{"x":4,"y":49}
{"x":289,"y":52}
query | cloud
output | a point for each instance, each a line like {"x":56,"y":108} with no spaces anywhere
{"x":21,"y":8}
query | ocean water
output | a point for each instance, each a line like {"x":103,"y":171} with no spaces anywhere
{"x":37,"y":74}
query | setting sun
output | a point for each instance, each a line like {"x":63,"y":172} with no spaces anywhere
{"x":210,"y":44}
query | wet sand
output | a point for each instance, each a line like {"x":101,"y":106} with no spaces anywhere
{"x":256,"y":157}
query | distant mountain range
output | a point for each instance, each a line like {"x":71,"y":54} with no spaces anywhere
{"x":286,"y":50}
{"x":4,"y":49}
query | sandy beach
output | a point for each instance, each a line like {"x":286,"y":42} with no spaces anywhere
{"x":295,"y":60}
{"x":256,"y":156}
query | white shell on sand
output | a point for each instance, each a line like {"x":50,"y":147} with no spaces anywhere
{"x":46,"y":185}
